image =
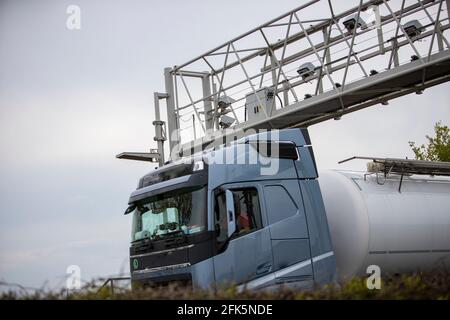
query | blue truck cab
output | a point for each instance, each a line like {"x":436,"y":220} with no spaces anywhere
{"x":218,"y":218}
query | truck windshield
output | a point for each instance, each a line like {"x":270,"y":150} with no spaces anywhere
{"x":179,"y":212}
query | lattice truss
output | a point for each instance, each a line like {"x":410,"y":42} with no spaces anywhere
{"x":318,"y":48}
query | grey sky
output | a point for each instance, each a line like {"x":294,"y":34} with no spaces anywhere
{"x":71,"y":100}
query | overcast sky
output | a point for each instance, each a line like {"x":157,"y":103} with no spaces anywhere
{"x":71,"y":100}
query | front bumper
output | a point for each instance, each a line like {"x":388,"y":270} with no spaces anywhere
{"x":199,"y":275}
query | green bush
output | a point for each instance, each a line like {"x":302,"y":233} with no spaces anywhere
{"x":431,"y":285}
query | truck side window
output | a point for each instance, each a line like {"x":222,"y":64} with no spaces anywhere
{"x":278,"y":197}
{"x":247,"y":210}
{"x":248,"y":213}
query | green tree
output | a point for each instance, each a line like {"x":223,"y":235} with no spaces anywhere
{"x":437,"y":148}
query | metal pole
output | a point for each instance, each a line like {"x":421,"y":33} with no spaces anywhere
{"x":378,"y":25}
{"x":216,"y":108}
{"x":283,"y":52}
{"x":285,"y":94}
{"x":172,"y":121}
{"x":261,"y":80}
{"x":326,"y":39}
{"x":193,"y":127}
{"x":159,"y":125}
{"x":395,"y":53}
{"x":273,"y":64}
{"x":350,"y":51}
{"x":447,"y":2}
{"x":207,"y":106}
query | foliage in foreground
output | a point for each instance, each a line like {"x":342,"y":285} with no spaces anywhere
{"x":437,"y":148}
{"x":435,"y":285}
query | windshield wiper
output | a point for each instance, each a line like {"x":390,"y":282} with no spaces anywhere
{"x":147,"y":242}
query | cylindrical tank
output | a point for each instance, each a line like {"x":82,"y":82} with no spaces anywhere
{"x":373,"y":223}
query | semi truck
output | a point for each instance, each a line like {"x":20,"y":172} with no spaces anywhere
{"x":206,"y":223}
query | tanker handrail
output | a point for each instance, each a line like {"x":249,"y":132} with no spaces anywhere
{"x":405,"y":166}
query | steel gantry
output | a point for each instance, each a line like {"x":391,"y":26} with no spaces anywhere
{"x":308,"y":65}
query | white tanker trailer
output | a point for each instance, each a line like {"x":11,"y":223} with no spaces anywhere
{"x":399,"y":224}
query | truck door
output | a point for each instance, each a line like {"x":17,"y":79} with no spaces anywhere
{"x":247,"y":254}
{"x":289,"y":234}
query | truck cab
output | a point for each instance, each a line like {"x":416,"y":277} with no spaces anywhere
{"x":249,"y":213}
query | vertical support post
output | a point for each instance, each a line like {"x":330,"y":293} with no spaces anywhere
{"x":172,"y":121}
{"x":350,"y":51}
{"x":216,"y":107}
{"x":207,"y":106}
{"x":447,"y":2}
{"x":193,"y":127}
{"x":327,"y":50}
{"x":320,"y":83}
{"x":159,"y":131}
{"x":376,"y":11}
{"x":280,"y":64}
{"x":440,"y":41}
{"x":273,"y":65}
{"x":261,"y":80}
{"x":285,"y":94}
{"x":327,"y":56}
{"x":395,"y":53}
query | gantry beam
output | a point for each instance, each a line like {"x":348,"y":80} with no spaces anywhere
{"x":353,"y":68}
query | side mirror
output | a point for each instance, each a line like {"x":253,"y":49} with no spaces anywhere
{"x":230,"y":213}
{"x":130,"y":208}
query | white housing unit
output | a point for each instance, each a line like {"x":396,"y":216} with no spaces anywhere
{"x":375,"y":224}
{"x":259,"y":104}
